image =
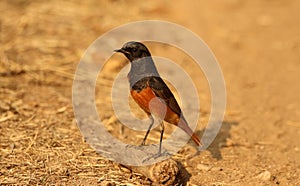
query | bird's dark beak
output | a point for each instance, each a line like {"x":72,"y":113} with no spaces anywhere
{"x":121,"y":51}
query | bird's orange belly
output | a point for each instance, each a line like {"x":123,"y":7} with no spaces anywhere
{"x":151,"y":104}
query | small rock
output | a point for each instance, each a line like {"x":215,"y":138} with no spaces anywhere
{"x":204,"y":167}
{"x":266,"y":175}
{"x":61,"y":110}
{"x":124,"y":169}
{"x":12,"y":146}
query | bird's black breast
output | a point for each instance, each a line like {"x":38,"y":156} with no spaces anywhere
{"x":141,"y":72}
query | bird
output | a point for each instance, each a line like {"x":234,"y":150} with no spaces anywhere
{"x":151,"y":93}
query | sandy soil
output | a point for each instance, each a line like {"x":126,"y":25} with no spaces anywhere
{"x":257,"y":44}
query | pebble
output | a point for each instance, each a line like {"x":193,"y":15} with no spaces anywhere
{"x":204,"y":167}
{"x":265,"y":175}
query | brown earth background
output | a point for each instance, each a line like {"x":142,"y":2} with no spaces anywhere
{"x":257,"y":44}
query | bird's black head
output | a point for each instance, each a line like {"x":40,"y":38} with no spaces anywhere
{"x":134,"y":50}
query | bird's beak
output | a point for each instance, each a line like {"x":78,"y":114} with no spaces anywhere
{"x":121,"y":51}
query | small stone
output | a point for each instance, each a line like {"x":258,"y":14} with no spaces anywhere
{"x":204,"y":167}
{"x":61,"y":110}
{"x":265,"y":176}
{"x":125,"y":169}
{"x":217,"y":169}
{"x":12,"y":146}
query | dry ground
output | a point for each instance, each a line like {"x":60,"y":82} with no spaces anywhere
{"x":257,"y":44}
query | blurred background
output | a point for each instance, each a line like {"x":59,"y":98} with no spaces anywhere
{"x":257,"y":45}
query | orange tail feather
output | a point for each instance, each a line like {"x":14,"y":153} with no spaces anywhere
{"x":196,"y":139}
{"x":184,"y":126}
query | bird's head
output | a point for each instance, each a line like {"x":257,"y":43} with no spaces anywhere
{"x":134,"y":50}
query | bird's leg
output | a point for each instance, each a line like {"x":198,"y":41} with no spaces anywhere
{"x":161,"y":136}
{"x":150,"y":126}
{"x":159,"y":154}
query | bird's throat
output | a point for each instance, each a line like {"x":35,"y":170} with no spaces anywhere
{"x":140,"y":69}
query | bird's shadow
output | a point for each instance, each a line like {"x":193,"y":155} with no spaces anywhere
{"x":214,"y":148}
{"x":220,"y":140}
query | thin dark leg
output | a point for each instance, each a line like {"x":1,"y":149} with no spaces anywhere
{"x":161,"y":136}
{"x":159,"y":154}
{"x":150,"y":126}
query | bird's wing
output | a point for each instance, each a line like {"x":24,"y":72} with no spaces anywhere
{"x":162,"y":91}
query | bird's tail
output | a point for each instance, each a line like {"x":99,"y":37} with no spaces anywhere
{"x":184,"y":126}
{"x":196,"y":139}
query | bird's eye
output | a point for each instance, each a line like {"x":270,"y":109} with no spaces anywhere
{"x":134,"y":49}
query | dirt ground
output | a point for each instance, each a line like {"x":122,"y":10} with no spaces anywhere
{"x":257,"y":44}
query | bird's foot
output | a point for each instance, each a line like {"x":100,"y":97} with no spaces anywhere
{"x":133,"y":147}
{"x":157,"y":155}
{"x":143,"y":143}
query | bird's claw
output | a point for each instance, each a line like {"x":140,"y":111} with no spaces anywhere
{"x":157,"y":155}
{"x":133,"y":147}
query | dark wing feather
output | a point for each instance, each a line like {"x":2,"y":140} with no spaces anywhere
{"x":162,"y":91}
